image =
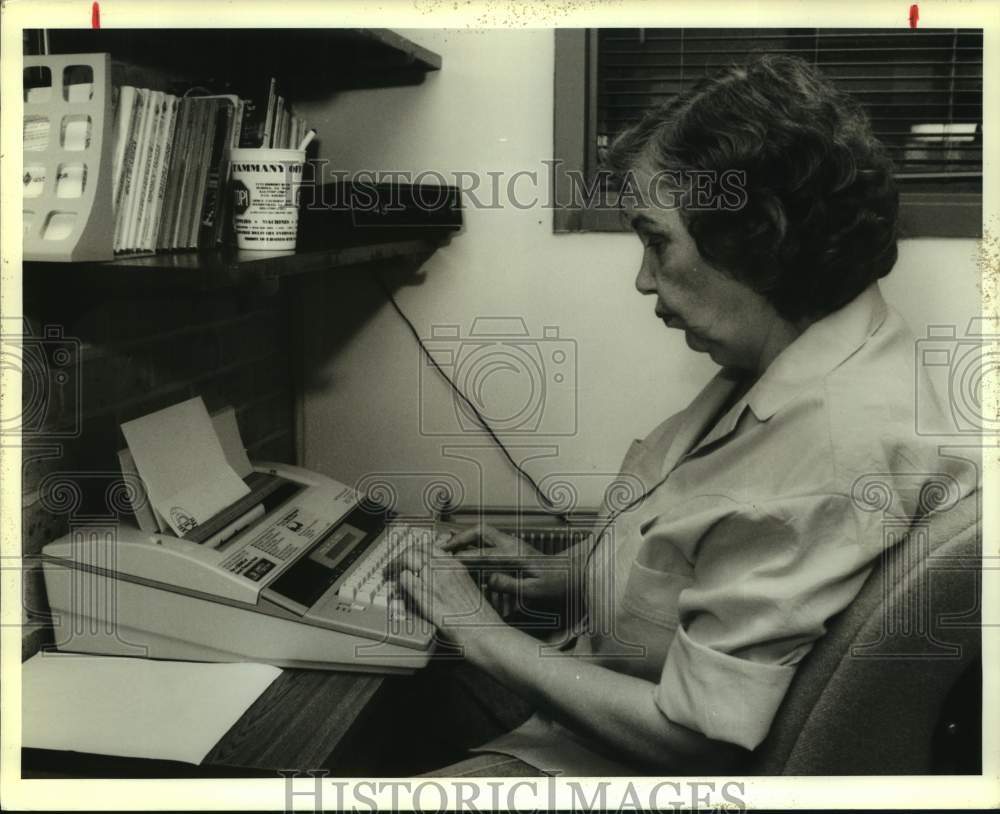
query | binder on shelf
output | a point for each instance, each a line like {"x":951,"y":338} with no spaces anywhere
{"x":131,"y":104}
{"x":68,"y":176}
{"x":215,"y":211}
{"x":258,"y":117}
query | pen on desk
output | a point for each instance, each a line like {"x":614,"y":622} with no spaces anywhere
{"x":307,"y":139}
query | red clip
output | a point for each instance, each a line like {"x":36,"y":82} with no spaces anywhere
{"x":914,"y":15}
{"x":95,"y":15}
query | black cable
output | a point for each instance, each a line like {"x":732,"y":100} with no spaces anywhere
{"x":636,"y":501}
{"x":485,"y":425}
{"x":611,"y":519}
{"x":544,"y":498}
{"x":596,"y":539}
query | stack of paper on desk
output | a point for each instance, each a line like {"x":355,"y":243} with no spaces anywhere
{"x":167,"y":710}
{"x":187,"y":475}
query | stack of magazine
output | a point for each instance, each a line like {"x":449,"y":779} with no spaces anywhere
{"x":171,"y":162}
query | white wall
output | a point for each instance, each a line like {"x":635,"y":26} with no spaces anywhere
{"x":490,"y":109}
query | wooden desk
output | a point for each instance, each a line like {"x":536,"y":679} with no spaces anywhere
{"x":298,"y":722}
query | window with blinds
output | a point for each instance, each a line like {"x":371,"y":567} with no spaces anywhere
{"x":922,"y":88}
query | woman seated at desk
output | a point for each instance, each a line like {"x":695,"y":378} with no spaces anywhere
{"x":706,"y":593}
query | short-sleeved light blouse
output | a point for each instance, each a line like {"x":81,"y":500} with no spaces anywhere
{"x":755,"y":531}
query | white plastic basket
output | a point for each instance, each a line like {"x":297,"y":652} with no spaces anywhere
{"x":67,"y":158}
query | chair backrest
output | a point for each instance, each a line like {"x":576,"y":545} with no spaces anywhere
{"x":867,"y":698}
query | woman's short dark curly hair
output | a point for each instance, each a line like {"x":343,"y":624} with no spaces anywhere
{"x":819,"y":220}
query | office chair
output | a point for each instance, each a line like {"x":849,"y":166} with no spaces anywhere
{"x":894,"y":687}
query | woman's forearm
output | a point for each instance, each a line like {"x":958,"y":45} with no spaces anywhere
{"x":614,"y":708}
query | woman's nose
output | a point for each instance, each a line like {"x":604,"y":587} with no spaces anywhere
{"x":645,"y":283}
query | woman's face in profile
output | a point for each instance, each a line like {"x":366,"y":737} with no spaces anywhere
{"x":719,"y":315}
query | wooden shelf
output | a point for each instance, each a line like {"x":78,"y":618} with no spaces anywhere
{"x":229,"y":268}
{"x":309,"y":62}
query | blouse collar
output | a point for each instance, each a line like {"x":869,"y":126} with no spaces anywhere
{"x":820,"y":349}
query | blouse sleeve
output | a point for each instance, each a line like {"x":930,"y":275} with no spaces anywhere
{"x":766,"y":579}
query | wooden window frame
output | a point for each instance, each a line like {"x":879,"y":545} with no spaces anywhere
{"x":922,"y":214}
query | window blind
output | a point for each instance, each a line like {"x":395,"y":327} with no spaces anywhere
{"x":922,"y":88}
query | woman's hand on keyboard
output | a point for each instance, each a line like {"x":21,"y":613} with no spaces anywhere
{"x":510,"y":565}
{"x":442,"y":590}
